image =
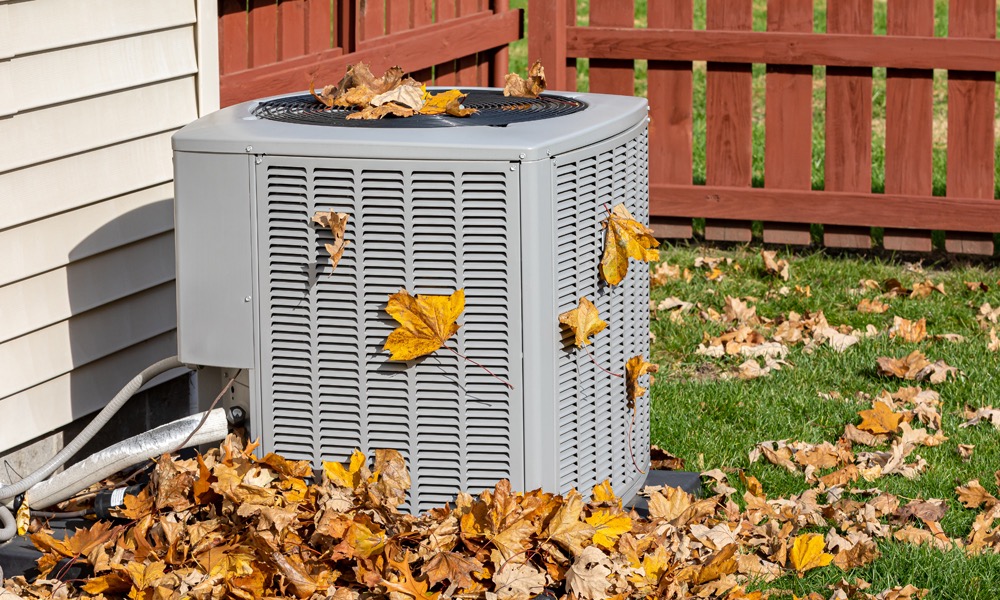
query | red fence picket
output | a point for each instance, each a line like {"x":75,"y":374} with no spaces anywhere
{"x":269,"y":47}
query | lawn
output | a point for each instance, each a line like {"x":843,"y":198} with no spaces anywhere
{"x":713,"y":420}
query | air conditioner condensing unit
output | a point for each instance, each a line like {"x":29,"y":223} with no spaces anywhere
{"x":506,"y":204}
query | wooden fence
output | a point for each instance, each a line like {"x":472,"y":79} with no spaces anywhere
{"x":275,"y":46}
{"x":846,"y":207}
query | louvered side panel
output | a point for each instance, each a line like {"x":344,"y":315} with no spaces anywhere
{"x":327,"y":385}
{"x":286,"y":258}
{"x":593,"y":421}
{"x":340,"y":322}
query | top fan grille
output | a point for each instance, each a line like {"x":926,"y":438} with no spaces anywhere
{"x":494,"y":109}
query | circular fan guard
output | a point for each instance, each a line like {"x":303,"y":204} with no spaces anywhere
{"x":493,"y":109}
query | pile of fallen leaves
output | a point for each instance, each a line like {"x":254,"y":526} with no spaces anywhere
{"x":400,"y":96}
{"x":230,"y":524}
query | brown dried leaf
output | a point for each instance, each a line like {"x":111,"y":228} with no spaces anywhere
{"x":661,"y":460}
{"x":526,"y":88}
{"x":875,"y":306}
{"x":965,"y":451}
{"x":371,"y":113}
{"x":974,"y":495}
{"x":908,"y":331}
{"x":566,"y":528}
{"x":986,"y":414}
{"x":774,"y":265}
{"x":454,"y":567}
{"x":588,"y":578}
{"x":337,"y":224}
{"x":925,"y":288}
{"x":516,"y":581}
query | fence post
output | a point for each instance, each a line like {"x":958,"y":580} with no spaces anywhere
{"x":500,"y":64}
{"x":849,"y":121}
{"x":670,"y":99}
{"x":788,"y":121}
{"x":728,"y":144}
{"x":234,"y":41}
{"x":612,"y":76}
{"x":971,"y":102}
{"x":318,"y":19}
{"x":909,"y":116}
{"x":263,"y":32}
{"x":547,"y":22}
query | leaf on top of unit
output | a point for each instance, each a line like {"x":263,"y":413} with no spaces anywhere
{"x":526,"y":88}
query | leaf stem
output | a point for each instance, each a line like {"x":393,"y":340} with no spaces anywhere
{"x":483,"y":367}
{"x":632,"y":454}
{"x":593,"y":360}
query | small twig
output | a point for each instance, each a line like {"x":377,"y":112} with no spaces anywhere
{"x":593,"y":360}
{"x":207,"y":412}
{"x":630,"y":452}
{"x":483,"y":367}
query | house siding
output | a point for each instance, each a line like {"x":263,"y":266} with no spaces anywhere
{"x":90,"y":93}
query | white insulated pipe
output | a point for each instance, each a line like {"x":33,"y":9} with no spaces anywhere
{"x":124,"y":454}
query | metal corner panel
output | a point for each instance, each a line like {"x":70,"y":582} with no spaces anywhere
{"x":213,"y":251}
{"x":540,"y":324}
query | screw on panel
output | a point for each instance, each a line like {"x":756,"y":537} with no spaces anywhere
{"x":247,"y":299}
{"x":513,"y":168}
{"x":259,"y":159}
{"x":522,"y":155}
{"x":249,"y":148}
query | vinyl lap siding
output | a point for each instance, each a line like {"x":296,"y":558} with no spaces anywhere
{"x":90,"y":93}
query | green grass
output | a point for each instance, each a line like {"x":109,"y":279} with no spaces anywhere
{"x":519,"y":59}
{"x":714,"y":423}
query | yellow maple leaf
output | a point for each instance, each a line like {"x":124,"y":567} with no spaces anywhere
{"x":604,"y":494}
{"x":626,"y":238}
{"x":880,"y":419}
{"x":437,"y":104}
{"x":807,"y":553}
{"x":635,"y":368}
{"x":349,"y":477}
{"x":425,"y":322}
{"x":566,"y":528}
{"x":337,"y":224}
{"x":609,"y":526}
{"x":23,"y":518}
{"x":654,"y":565}
{"x":584,"y":321}
{"x":367,"y":541}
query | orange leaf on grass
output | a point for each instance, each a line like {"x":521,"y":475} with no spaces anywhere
{"x":880,"y":419}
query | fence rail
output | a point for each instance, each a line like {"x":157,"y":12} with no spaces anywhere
{"x":274,"y":46}
{"x":848,"y":49}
